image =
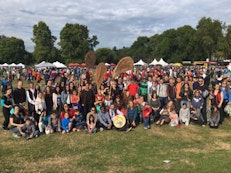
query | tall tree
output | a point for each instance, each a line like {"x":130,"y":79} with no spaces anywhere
{"x":105,"y":55}
{"x":12,"y":50}
{"x":44,"y":42}
{"x":75,"y":42}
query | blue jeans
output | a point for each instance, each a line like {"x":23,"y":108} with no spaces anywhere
{"x":146,"y":122}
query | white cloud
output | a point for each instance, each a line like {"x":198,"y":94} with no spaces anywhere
{"x":116,"y":23}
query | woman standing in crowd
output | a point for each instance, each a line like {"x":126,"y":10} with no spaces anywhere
{"x":217,"y":100}
{"x":6,"y":103}
{"x":57,"y":103}
{"x":66,"y":96}
{"x":48,"y":100}
{"x":155,"y":104}
{"x":40,"y":106}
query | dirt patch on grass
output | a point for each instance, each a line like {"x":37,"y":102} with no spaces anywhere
{"x":188,"y":162}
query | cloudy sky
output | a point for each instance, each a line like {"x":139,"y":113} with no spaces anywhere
{"x":116,"y":23}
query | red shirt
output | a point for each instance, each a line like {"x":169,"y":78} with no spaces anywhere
{"x":133,"y":88}
{"x":70,"y":112}
{"x":146,"y":111}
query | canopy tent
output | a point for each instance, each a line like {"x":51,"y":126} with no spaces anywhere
{"x":154,"y":62}
{"x":162,"y":62}
{"x":45,"y":65}
{"x":73,"y":65}
{"x":13,"y":65}
{"x":177,"y":65}
{"x":21,"y":65}
{"x":106,"y":64}
{"x":59,"y":65}
{"x":5,"y":65}
{"x":140,"y":62}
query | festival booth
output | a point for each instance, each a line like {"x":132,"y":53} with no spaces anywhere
{"x":20,"y":65}
{"x":59,"y":65}
{"x":44,"y":65}
{"x":140,"y":63}
{"x":154,"y":62}
{"x":162,"y":62}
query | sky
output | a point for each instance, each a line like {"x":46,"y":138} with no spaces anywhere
{"x":115,"y":23}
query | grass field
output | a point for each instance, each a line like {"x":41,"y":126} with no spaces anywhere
{"x":190,"y":149}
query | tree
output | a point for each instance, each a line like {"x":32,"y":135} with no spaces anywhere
{"x":75,"y":42}
{"x":105,"y":55}
{"x":12,"y":50}
{"x":44,"y":42}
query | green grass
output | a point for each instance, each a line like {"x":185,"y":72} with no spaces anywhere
{"x":191,"y":149}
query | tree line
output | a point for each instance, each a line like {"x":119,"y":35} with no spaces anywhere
{"x":210,"y":39}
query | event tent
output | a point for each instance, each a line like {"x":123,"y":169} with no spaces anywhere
{"x":162,"y":62}
{"x":59,"y":65}
{"x":141,"y":62}
{"x":154,"y":62}
{"x":106,"y":64}
{"x":45,"y":65}
{"x":21,"y":65}
{"x":13,"y":65}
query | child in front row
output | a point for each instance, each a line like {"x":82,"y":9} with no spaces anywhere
{"x":54,"y":123}
{"x":214,"y":117}
{"x":28,"y":130}
{"x":146,"y":111}
{"x":174,"y":120}
{"x":66,"y":124}
{"x":91,"y":125}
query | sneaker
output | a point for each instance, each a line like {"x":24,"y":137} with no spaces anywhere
{"x":145,"y":128}
{"x":15,"y":135}
{"x":101,"y":129}
{"x":129,"y":129}
{"x":5,"y":128}
{"x":203,"y":125}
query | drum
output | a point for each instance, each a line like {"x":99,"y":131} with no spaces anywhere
{"x":119,"y":121}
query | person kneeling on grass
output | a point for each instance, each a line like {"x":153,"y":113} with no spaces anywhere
{"x":164,"y":116}
{"x":146,"y":111}
{"x":28,"y":130}
{"x":54,"y":123}
{"x":131,"y":115}
{"x":66,"y":124}
{"x":104,"y":119}
{"x":78,"y":121}
{"x":214,"y":117}
{"x":43,"y":123}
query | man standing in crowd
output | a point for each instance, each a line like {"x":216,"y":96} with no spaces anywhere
{"x":31,"y":96}
{"x":87,"y":99}
{"x":19,"y":95}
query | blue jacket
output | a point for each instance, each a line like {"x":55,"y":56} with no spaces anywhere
{"x":65,"y":123}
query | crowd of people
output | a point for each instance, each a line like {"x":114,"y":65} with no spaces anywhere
{"x":149,"y":96}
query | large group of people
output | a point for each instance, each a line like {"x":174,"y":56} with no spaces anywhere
{"x":149,"y":96}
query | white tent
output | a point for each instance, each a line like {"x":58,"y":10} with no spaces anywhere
{"x":13,"y":65}
{"x":59,"y":65}
{"x":106,"y":64}
{"x":162,"y":62}
{"x":141,"y":62}
{"x":44,"y":65}
{"x":154,"y":62}
{"x":21,"y":65}
{"x":5,"y":65}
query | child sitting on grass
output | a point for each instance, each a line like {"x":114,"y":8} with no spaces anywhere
{"x":43,"y":123}
{"x":214,"y":117}
{"x":184,"y":114}
{"x":54,"y":123}
{"x":91,"y":125}
{"x":146,"y":111}
{"x":174,"y":120}
{"x":66,"y":124}
{"x":28,"y":130}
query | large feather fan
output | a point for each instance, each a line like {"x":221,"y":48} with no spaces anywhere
{"x":123,"y":65}
{"x":99,"y":73}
